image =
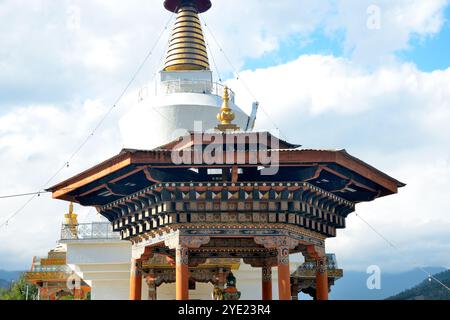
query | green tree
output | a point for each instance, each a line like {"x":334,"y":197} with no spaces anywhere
{"x":18,"y":290}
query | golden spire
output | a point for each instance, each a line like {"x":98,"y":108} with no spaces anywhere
{"x":187,"y":49}
{"x":70,"y":220}
{"x":226,"y":115}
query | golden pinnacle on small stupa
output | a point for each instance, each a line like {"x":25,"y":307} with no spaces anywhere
{"x":226,"y":115}
{"x":71,"y":221}
{"x":71,"y":217}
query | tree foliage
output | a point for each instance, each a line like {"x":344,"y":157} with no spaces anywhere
{"x":18,"y":290}
{"x":428,"y":290}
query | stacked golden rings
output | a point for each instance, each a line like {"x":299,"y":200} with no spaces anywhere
{"x":187,"y":48}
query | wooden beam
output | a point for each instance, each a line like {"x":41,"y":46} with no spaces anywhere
{"x":74,"y":183}
{"x":163,"y":159}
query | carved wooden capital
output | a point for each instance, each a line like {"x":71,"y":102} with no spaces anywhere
{"x":190,"y":242}
{"x":182,"y":255}
{"x":136,"y":267}
{"x":142,"y":253}
{"x":261,"y":262}
{"x":315,"y":252}
{"x":321,"y":265}
{"x":283,"y":255}
{"x":267,"y":274}
{"x":275,"y":242}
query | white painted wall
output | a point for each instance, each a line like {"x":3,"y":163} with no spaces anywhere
{"x":110,"y":290}
{"x":203,"y":291}
{"x":249,"y":281}
{"x":158,"y":120}
{"x":105,"y":266}
{"x":98,"y":252}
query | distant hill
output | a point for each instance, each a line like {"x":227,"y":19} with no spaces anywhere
{"x":353,"y":285}
{"x":427,"y":290}
{"x":10,"y":275}
{"x":4,"y":284}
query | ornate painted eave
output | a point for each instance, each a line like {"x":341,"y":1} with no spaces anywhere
{"x":133,"y":170}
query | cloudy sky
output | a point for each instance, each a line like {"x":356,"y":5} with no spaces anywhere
{"x":372,"y":77}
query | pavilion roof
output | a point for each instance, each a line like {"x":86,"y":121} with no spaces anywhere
{"x":132,"y":170}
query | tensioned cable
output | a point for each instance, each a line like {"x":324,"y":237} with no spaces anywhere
{"x":100,"y":123}
{"x":214,"y":61}
{"x":22,"y":195}
{"x":238,"y":75}
{"x":430,"y":276}
{"x":37,"y":193}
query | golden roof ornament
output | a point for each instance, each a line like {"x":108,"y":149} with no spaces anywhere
{"x":71,"y":221}
{"x":226,"y":115}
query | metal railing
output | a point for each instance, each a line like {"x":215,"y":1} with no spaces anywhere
{"x":89,"y":231}
{"x":60,"y":268}
{"x":193,"y":86}
{"x":331,"y":263}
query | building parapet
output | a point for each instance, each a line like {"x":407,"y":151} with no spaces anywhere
{"x":89,"y":231}
{"x":193,"y":86}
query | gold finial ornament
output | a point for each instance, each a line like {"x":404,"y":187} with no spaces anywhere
{"x":226,"y":115}
{"x":71,"y":221}
{"x":187,"y":48}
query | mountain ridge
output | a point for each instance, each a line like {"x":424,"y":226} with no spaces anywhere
{"x":428,"y":289}
{"x":353,"y":286}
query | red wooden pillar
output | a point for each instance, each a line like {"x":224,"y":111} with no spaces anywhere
{"x":77,"y":294}
{"x":266,"y":283}
{"x":136,"y":280}
{"x":182,"y":273}
{"x":321,"y":279}
{"x":284,"y":275}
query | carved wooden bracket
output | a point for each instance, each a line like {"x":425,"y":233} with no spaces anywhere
{"x":261,"y":262}
{"x":266,"y":274}
{"x":142,"y":253}
{"x":189,"y":242}
{"x":156,"y":279}
{"x":315,"y":252}
{"x":182,"y":255}
{"x":282,"y":244}
{"x":276,"y":242}
{"x":149,"y":176}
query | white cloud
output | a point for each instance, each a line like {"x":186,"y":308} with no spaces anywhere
{"x":35,"y":142}
{"x":60,"y":51}
{"x":400,"y":21}
{"x":393,"y":118}
{"x":59,"y":81}
{"x":397,"y":97}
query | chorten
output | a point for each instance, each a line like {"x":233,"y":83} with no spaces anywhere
{"x":185,"y":99}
